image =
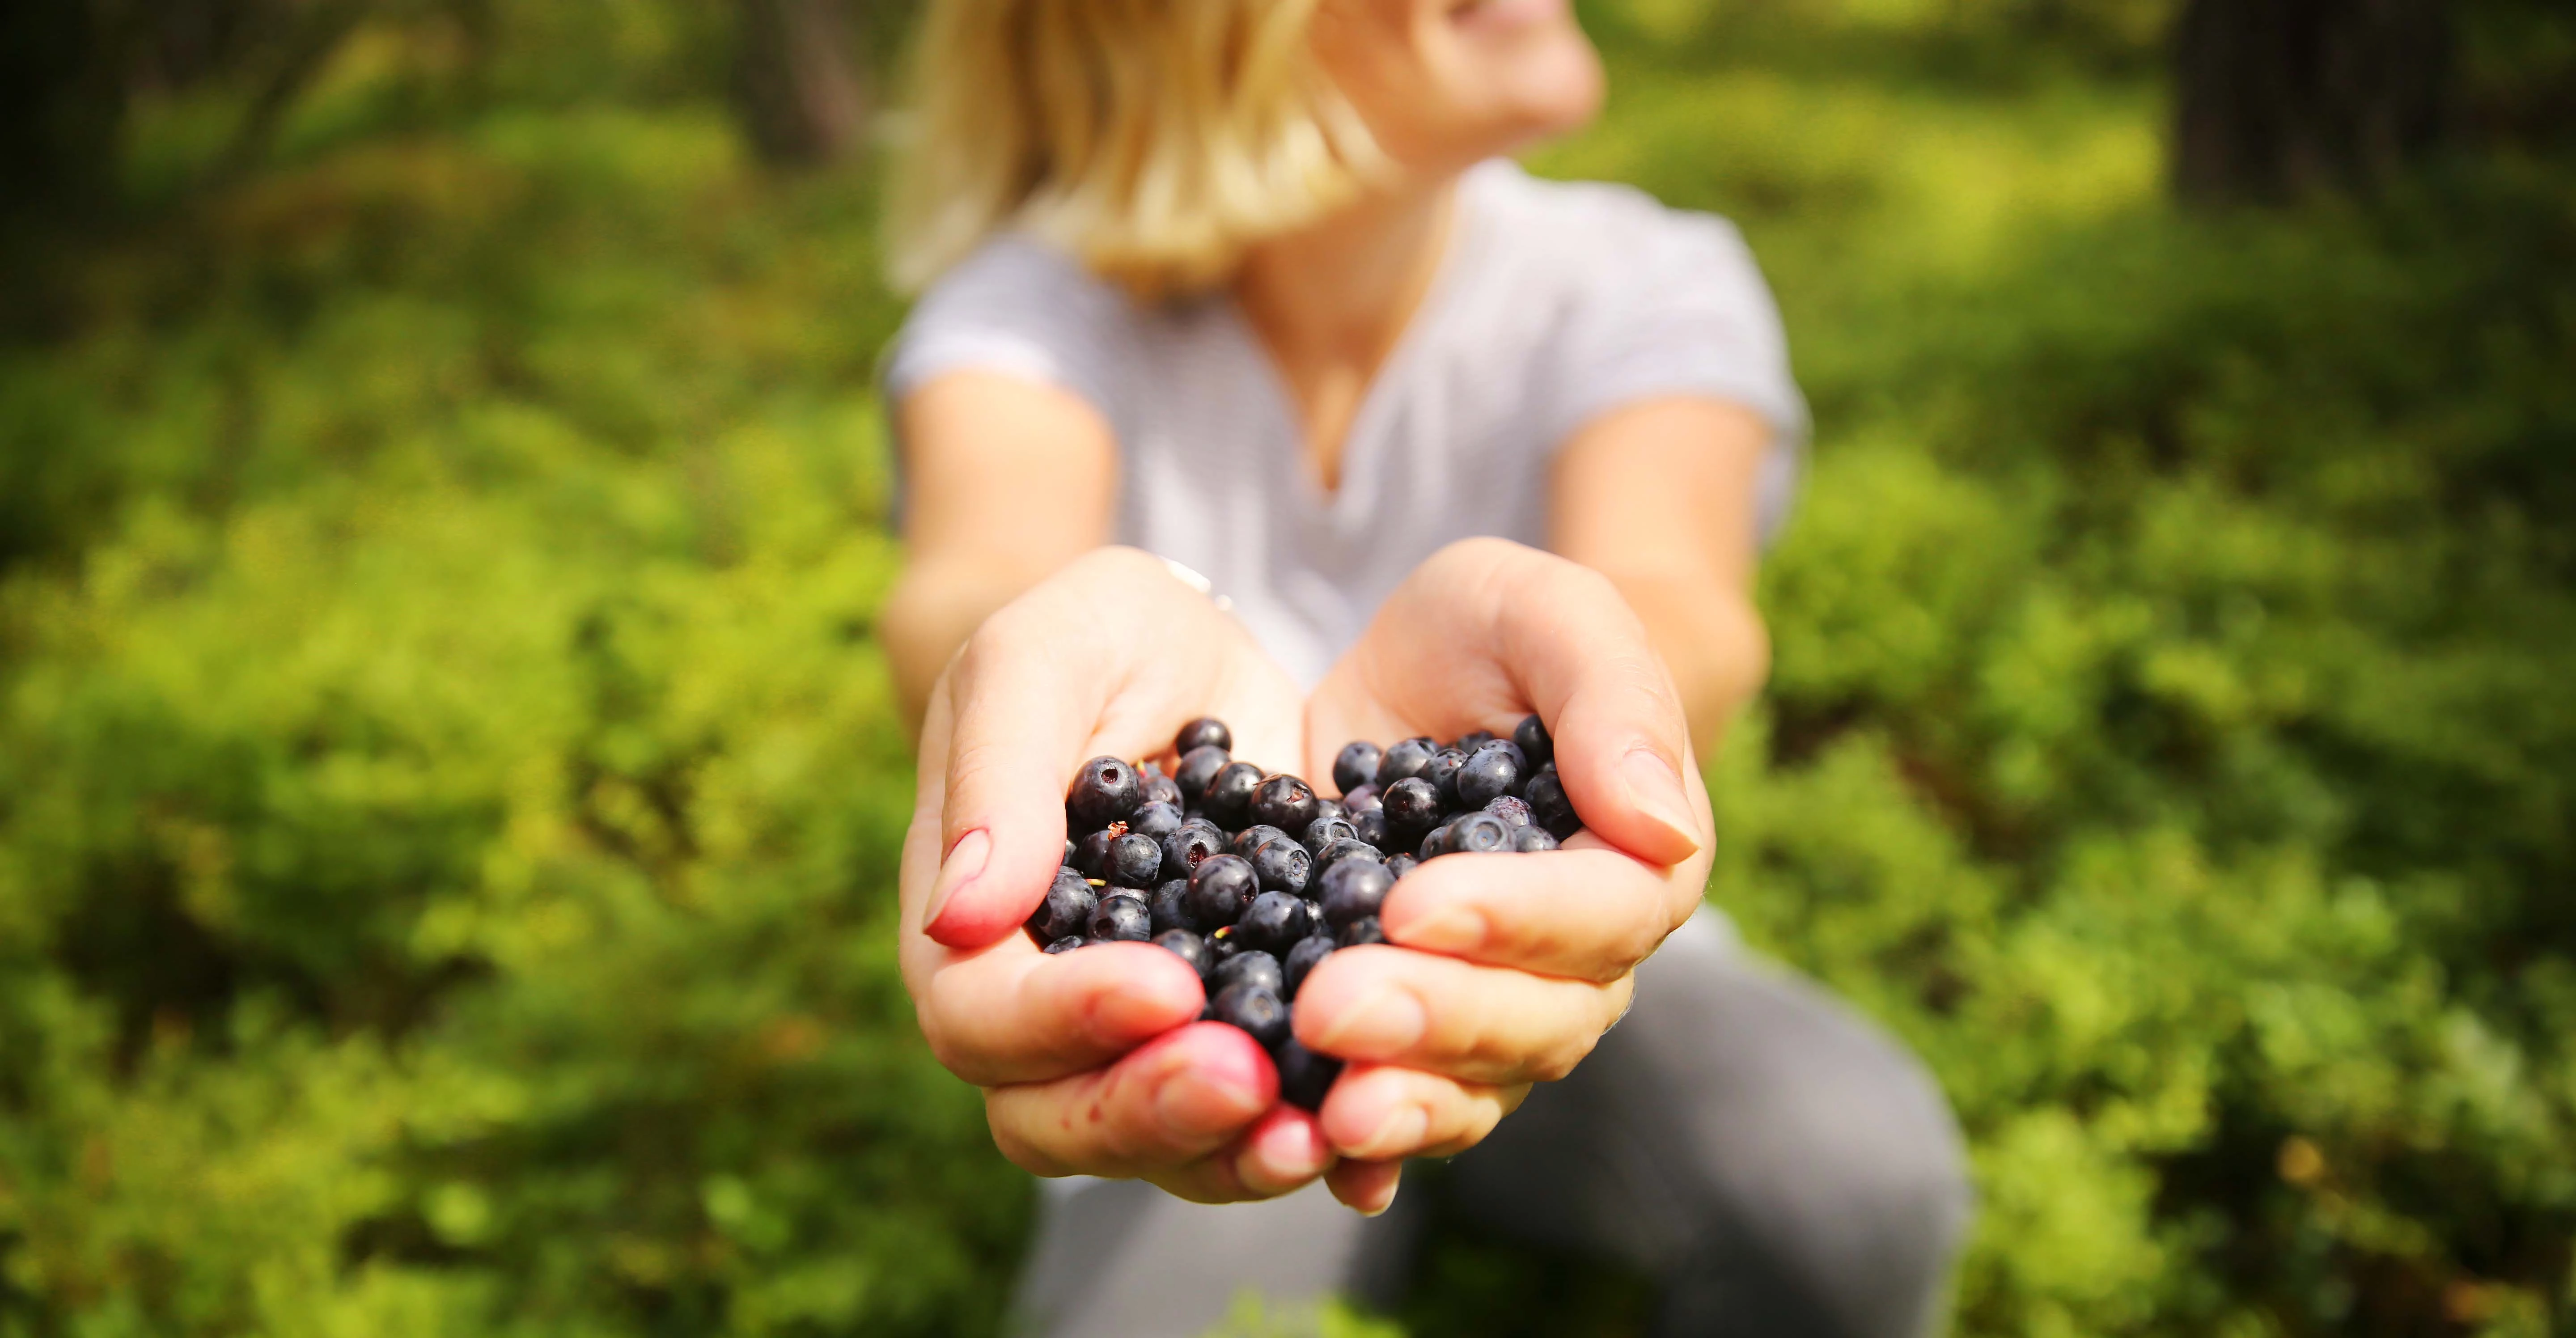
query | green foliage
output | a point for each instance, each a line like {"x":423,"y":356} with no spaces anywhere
{"x":449,"y":794}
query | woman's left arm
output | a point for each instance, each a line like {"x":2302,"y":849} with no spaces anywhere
{"x":1659,"y":497}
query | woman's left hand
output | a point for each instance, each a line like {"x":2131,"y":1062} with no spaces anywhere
{"x":1502,"y":969}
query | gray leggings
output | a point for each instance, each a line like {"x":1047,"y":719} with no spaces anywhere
{"x":1782,"y":1166}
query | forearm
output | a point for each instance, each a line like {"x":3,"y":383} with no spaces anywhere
{"x":1711,"y":638}
{"x":935,"y":606}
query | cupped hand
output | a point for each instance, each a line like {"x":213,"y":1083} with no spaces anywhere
{"x":1091,"y":1061}
{"x":1505,"y":968}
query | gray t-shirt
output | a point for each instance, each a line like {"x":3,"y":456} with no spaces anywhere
{"x":1556,"y":303}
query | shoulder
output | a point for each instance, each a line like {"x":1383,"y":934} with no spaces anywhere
{"x":1021,"y":307}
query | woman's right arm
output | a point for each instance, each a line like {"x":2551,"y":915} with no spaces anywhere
{"x":1006,"y":481}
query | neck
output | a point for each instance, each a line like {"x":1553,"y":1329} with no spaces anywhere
{"x":1342,"y":289}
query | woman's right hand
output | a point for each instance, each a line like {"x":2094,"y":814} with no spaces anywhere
{"x":1091,"y":1062}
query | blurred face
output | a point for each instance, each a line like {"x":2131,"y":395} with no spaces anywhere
{"x":1446,"y":83}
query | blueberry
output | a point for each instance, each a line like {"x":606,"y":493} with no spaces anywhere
{"x":1066,"y":944}
{"x":1228,"y":799}
{"x":1356,"y":765}
{"x":1283,"y":866}
{"x":1220,"y":888}
{"x":1284,"y":802}
{"x":1476,"y":834}
{"x":1221,"y":947}
{"x":1402,"y":865}
{"x":1134,"y":860}
{"x":1359,"y":932}
{"x":1315,"y":927}
{"x":1104,"y":791}
{"x":1532,"y":837}
{"x":1170,"y":905}
{"x":1304,"y":1076}
{"x":1068,"y":852}
{"x":1354,"y":890}
{"x":1248,"y":965}
{"x":1331,"y":808}
{"x":1188,"y":845}
{"x":1472,"y":740}
{"x":1442,"y":772}
{"x":1550,"y":808}
{"x":1435,"y":843}
{"x":1404,"y":761}
{"x":1197,"y":767}
{"x":1187,"y":946}
{"x":1162,"y":789}
{"x":1156,"y":818}
{"x":1339,"y":851}
{"x":1121,"y":919}
{"x":1372,"y":827}
{"x":1066,"y":910}
{"x":1490,"y":773}
{"x":1205,"y":732}
{"x":1256,"y":1009}
{"x":1325,"y":831}
{"x":1534,"y":742}
{"x":1091,"y":854}
{"x":1515,"y":813}
{"x":1273,"y":923}
{"x":1361,"y":800}
{"x":1412,"y":807}
{"x":1302,"y":959}
{"x":1254,"y":837}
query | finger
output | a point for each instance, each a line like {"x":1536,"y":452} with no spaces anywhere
{"x":1485,"y":1024}
{"x":1585,"y":911}
{"x":1013,"y":1014}
{"x":1176,"y":1100}
{"x":1368,"y":1186}
{"x":1378,"y":1112}
{"x":1283,"y":1151}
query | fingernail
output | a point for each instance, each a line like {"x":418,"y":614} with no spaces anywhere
{"x":1655,"y":790}
{"x":1389,"y":1201}
{"x":1383,"y":1023}
{"x":1399,"y":1133}
{"x":1194,"y":1102}
{"x":965,"y":862}
{"x":1455,"y":927}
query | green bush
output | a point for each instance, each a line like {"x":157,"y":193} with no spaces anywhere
{"x":449,"y":793}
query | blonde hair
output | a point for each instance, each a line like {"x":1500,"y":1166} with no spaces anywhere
{"x":1154,"y":140}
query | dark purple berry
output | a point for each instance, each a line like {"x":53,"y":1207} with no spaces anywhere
{"x":1442,"y":772}
{"x":1532,"y":838}
{"x":1187,"y":846}
{"x":1372,"y":827}
{"x":1490,"y":773}
{"x":1331,"y":808}
{"x":1472,"y":740}
{"x":1104,"y":791}
{"x":1412,"y":807}
{"x":1205,"y":732}
{"x":1091,"y":855}
{"x":1353,"y":890}
{"x":1361,"y":800}
{"x":1402,"y":865}
{"x":1339,"y":851}
{"x":1220,"y":888}
{"x":1248,"y":965}
{"x":1170,"y":906}
{"x":1284,"y":802}
{"x":1550,"y":808}
{"x":1187,"y":946}
{"x":1228,"y":800}
{"x":1359,"y":932}
{"x":1356,"y":765}
{"x":1283,"y":866}
{"x":1135,"y":860}
{"x":1477,"y":834}
{"x":1273,"y":923}
{"x":1404,"y":761}
{"x":1221,"y":946}
{"x":1435,"y":843}
{"x":1121,"y":919}
{"x":1302,"y":959}
{"x":1254,"y":837}
{"x":1066,"y":944}
{"x":1155,"y":818}
{"x":1066,"y":912}
{"x":1068,"y":852}
{"x":1197,"y":767}
{"x":1304,"y":1076}
{"x":1255,"y":1008}
{"x":1325,"y":831}
{"x":1534,"y":742}
{"x":1162,"y":789}
{"x":1315,"y":927}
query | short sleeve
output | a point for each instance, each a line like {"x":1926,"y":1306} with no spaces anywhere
{"x":1022,"y":309}
{"x":1679,"y":307}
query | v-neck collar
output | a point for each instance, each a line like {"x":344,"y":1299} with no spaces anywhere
{"x":1362,"y":468}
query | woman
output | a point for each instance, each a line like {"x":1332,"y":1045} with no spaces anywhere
{"x":1247,"y":285}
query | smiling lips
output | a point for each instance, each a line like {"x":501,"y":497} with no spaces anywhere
{"x":1501,"y":15}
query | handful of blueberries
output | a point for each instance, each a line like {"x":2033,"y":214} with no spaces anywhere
{"x":1252,"y":878}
